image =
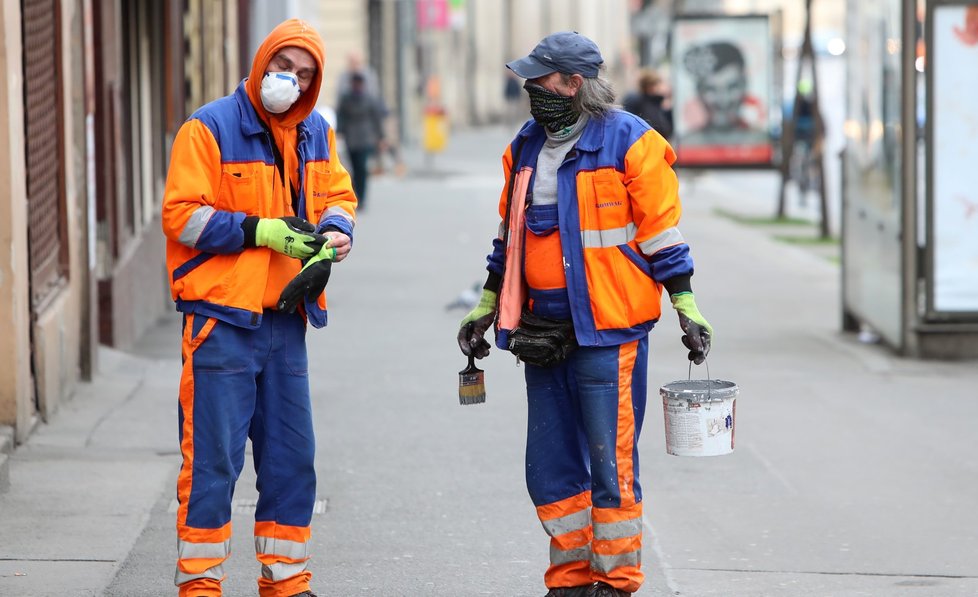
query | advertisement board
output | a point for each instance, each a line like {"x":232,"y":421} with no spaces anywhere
{"x":723,"y":91}
{"x":954,"y":194}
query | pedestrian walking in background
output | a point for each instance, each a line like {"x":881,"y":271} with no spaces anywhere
{"x":651,"y":103}
{"x":355,"y":65}
{"x":588,"y":239}
{"x":255,"y":189}
{"x":360,"y":122}
{"x":804,"y":168}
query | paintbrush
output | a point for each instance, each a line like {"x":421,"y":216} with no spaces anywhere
{"x":471,"y":384}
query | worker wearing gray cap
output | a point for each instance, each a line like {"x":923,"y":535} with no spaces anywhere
{"x":588,"y":240}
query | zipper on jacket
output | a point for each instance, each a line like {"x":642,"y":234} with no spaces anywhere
{"x":299,"y":205}
{"x":280,"y":166}
{"x":571,"y":276}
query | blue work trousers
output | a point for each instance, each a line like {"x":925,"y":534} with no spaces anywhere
{"x":240,"y":383}
{"x":582,"y":471}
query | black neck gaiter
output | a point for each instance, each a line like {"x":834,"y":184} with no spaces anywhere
{"x":551,"y":110}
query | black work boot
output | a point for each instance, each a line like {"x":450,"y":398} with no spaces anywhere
{"x":601,"y":589}
{"x":581,"y":591}
{"x":305,"y":594}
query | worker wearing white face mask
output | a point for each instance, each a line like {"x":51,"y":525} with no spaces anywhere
{"x":279,"y":91}
{"x":257,"y":208}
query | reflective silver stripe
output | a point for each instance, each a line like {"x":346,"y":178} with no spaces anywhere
{"x":502,"y":229}
{"x":195,"y":225}
{"x":607,"y":531}
{"x":566,"y":524}
{"x":282,"y":547}
{"x":606,"y":564}
{"x":612,"y":237}
{"x":189,"y":551}
{"x":281,"y":570}
{"x":578,"y":554}
{"x":666,"y":238}
{"x":215,"y":573}
{"x":337,"y":211}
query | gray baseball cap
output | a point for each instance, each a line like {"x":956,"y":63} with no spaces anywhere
{"x":566,"y":52}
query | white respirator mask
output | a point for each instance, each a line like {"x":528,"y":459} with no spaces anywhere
{"x":279,"y":91}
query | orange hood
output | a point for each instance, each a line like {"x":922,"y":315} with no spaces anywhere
{"x":291,"y":33}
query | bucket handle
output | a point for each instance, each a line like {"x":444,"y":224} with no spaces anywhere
{"x":709,"y":382}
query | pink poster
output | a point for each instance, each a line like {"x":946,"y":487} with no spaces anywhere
{"x":432,"y":14}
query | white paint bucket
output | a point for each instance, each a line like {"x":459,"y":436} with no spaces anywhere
{"x":699,"y":416}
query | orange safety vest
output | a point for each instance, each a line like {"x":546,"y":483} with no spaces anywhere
{"x":618,"y":211}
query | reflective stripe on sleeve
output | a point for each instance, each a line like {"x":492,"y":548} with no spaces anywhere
{"x":666,"y":238}
{"x":338,"y":211}
{"x":605,"y":564}
{"x":609,"y":531}
{"x":566,"y":524}
{"x":612,"y":237}
{"x":195,"y":225}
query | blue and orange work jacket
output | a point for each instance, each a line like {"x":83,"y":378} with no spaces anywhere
{"x":223,"y":169}
{"x":618,"y":210}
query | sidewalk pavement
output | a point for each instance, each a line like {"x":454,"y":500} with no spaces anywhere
{"x":82,"y":485}
{"x":853,"y":474}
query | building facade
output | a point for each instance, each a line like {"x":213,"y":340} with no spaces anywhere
{"x":453,"y":52}
{"x":92,"y":94}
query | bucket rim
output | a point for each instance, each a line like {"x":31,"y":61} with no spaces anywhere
{"x":699,"y":390}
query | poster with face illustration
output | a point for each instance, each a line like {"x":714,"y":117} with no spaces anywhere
{"x":723,"y":86}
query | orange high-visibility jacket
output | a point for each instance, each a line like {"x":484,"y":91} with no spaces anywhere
{"x":223,"y":168}
{"x":618,"y":211}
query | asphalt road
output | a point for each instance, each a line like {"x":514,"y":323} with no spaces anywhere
{"x":854,"y":472}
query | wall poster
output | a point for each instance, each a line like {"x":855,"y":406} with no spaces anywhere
{"x":723,"y":91}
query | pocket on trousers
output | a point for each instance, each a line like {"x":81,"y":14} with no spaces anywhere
{"x":226,"y":349}
{"x":298,"y":364}
{"x":297,"y":360}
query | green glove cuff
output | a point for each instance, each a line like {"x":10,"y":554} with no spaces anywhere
{"x":487,"y":305}
{"x":326,"y":253}
{"x":265,"y":230}
{"x":278,"y":235}
{"x":685,"y":303}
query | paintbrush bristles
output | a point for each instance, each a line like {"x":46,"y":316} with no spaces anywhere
{"x":472,"y":388}
{"x":471,"y":384}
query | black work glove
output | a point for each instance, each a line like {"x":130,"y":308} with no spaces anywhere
{"x":472,"y":329}
{"x":310,"y":282}
{"x":698,"y":332}
{"x":472,"y":340}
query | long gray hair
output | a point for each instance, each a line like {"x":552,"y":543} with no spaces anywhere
{"x":595,"y":97}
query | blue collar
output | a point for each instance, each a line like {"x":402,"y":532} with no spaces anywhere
{"x":250,"y":123}
{"x":592,"y":139}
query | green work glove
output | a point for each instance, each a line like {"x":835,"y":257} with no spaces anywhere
{"x":472,"y":329}
{"x":290,"y":236}
{"x":310,"y":281}
{"x":698,"y":333}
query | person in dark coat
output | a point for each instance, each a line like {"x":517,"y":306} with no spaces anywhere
{"x":651,"y":104}
{"x":360,"y":121}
